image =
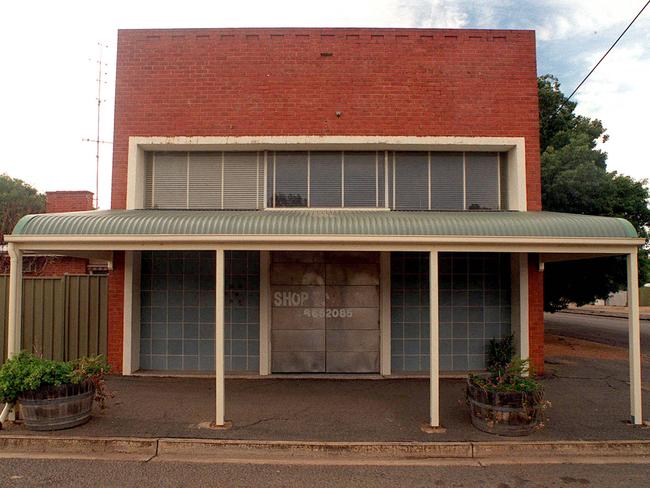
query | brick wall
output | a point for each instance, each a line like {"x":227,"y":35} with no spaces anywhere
{"x":58,"y":266}
{"x":116,"y":312}
{"x":68,"y":201}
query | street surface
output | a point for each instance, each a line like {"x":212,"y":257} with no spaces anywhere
{"x":605,"y":330}
{"x":70,"y":473}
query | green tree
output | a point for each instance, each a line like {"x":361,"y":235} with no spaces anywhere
{"x":17,"y":198}
{"x":575,"y":180}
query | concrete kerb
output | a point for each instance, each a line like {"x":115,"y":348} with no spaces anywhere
{"x":216,"y":450}
{"x":618,"y":448}
{"x":78,"y":447}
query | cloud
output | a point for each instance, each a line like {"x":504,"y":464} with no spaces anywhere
{"x":434,"y":13}
{"x":617,"y":93}
{"x":565,"y":19}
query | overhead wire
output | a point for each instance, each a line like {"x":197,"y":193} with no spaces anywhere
{"x":603,"y":57}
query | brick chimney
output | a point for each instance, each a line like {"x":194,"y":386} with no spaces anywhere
{"x":68,"y":201}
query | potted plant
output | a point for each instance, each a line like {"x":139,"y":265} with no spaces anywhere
{"x":53,"y":395}
{"x":508,"y":400}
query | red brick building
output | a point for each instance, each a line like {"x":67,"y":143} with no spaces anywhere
{"x":326,"y":201}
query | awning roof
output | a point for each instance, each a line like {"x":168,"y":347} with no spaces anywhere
{"x":322,"y":222}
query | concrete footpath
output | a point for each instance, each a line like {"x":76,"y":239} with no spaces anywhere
{"x":607,"y":311}
{"x":353,"y":421}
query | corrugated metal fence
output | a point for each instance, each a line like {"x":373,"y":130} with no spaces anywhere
{"x":63,"y":318}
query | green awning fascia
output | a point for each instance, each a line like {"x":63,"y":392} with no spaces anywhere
{"x":323,"y":222}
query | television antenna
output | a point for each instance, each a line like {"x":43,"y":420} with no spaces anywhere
{"x":100,"y":71}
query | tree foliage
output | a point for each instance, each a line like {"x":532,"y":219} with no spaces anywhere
{"x":17,"y":199}
{"x":575,"y":180}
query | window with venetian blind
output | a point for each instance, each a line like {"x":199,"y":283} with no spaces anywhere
{"x":398,"y":180}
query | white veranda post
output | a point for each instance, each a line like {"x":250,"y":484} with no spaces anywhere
{"x":434,"y":363}
{"x":634,"y":338}
{"x":219,"y":359}
{"x":14,"y":333}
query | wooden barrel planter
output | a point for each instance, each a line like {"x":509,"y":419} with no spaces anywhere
{"x":505,"y":413}
{"x":57,"y":407}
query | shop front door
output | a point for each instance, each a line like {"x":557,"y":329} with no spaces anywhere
{"x":325,"y":312}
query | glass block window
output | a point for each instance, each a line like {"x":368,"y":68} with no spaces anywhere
{"x":474,"y":307}
{"x":242,"y":314}
{"x":409,"y":273}
{"x":178,"y":310}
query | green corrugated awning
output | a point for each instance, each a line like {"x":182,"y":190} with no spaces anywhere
{"x":323,"y":223}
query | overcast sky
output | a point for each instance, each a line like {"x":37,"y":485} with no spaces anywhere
{"x":49,"y":50}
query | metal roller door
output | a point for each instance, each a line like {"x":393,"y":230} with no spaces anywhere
{"x":325,"y":312}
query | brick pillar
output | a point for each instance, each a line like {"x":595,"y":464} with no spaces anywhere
{"x":116,"y":313}
{"x":535,"y":314}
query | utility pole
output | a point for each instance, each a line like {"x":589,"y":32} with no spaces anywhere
{"x":97,"y":140}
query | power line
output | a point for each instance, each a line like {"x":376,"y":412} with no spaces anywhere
{"x":604,"y":56}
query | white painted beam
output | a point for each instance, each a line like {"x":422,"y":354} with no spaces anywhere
{"x":434,"y":361}
{"x":524,"y":343}
{"x":14,"y":334}
{"x":384,"y":313}
{"x":131,"y":324}
{"x":636,"y":416}
{"x":265,"y":313}
{"x":57,"y":244}
{"x":219,"y":356}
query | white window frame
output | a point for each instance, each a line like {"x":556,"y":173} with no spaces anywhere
{"x":514,"y":146}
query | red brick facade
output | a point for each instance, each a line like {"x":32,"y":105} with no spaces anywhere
{"x":237,"y":82}
{"x":276,"y":82}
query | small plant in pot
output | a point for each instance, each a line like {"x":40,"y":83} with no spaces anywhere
{"x":53,"y":395}
{"x":508,"y":400}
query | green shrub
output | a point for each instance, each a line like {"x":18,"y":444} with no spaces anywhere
{"x":500,"y":353}
{"x":26,"y":372}
{"x":514,"y":377}
{"x":507,"y":373}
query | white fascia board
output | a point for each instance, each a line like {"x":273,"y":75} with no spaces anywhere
{"x":324,"y":243}
{"x":258,"y":143}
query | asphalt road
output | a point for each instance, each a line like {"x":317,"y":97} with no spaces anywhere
{"x":605,"y":330}
{"x":73,"y":473}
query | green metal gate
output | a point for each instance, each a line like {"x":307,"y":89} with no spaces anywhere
{"x":63,"y":318}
